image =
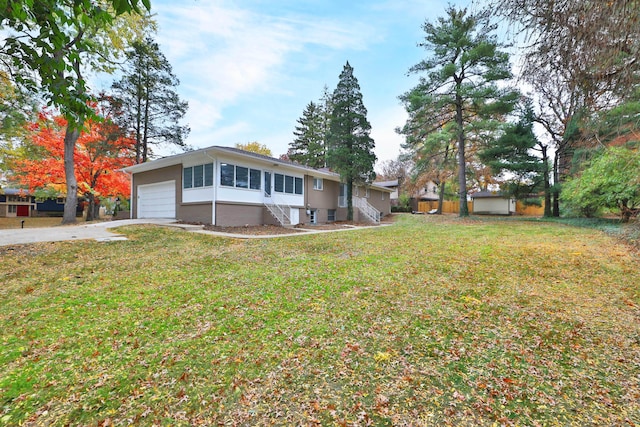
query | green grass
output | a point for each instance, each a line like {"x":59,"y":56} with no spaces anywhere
{"x":432,"y":321}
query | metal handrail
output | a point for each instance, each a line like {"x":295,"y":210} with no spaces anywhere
{"x":277,"y":208}
{"x":372,"y":213}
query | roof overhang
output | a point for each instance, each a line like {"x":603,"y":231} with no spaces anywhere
{"x":215,"y":151}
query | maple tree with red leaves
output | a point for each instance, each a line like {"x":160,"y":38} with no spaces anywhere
{"x":101,"y":151}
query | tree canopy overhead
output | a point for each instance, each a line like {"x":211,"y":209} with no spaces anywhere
{"x":48,"y":47}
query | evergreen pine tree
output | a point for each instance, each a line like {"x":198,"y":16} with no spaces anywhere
{"x":151,"y":107}
{"x":461,"y":84}
{"x":308,"y":148}
{"x":350,"y":148}
{"x":511,"y":154}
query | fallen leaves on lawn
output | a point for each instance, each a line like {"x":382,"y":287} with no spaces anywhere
{"x":429,"y":322}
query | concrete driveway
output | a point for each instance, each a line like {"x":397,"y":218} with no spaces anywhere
{"x":95,"y":231}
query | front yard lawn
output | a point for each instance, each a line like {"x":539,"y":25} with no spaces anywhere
{"x":432,"y":321}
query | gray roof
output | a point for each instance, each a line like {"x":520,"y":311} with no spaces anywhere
{"x":393,"y":183}
{"x":14,"y":191}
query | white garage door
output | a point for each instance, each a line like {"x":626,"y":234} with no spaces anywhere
{"x":157,"y":200}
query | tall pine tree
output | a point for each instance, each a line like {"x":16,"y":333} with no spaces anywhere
{"x":151,"y":107}
{"x":308,"y":148}
{"x":461,"y":83}
{"x":350,"y":148}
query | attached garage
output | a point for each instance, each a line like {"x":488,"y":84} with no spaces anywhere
{"x":157,"y":200}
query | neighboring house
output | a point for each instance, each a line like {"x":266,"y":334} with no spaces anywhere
{"x":16,"y":202}
{"x":493,"y":203}
{"x":230,"y":187}
{"x":427,"y":193}
{"x":394,"y":186}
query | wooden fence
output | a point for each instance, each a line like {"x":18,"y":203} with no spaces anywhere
{"x":449,"y":206}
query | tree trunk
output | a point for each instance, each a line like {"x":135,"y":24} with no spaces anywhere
{"x":443,"y":184}
{"x":547,"y":185}
{"x":93,"y":206}
{"x":556,"y":183}
{"x":70,"y":138}
{"x":145,"y":133}
{"x":462,"y":166}
{"x":350,"y":200}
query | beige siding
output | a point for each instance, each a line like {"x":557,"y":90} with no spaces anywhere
{"x":155,"y":176}
{"x":235,"y":215}
{"x":321,"y":200}
{"x":381,"y":201}
{"x":195,"y":212}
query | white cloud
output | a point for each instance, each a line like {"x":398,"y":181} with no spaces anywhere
{"x":224,"y":54}
{"x":383,"y":125}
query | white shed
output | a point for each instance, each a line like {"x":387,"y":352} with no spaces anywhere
{"x":493,"y":203}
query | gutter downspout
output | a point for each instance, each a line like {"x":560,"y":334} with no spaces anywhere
{"x":215,"y":188}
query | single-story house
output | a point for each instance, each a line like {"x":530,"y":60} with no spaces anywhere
{"x":493,"y":203}
{"x":230,"y":187}
{"x":15,"y":202}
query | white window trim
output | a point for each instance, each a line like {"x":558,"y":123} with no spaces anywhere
{"x":318,"y":187}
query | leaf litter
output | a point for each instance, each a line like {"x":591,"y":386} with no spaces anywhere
{"x":433,"y":321}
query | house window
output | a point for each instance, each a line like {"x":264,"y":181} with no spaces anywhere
{"x":382,"y":195}
{"x":331,"y":215}
{"x":367,"y":192}
{"x":227,"y":173}
{"x":13,"y":209}
{"x":208,"y":175}
{"x":298,"y":185}
{"x":313,"y":216}
{"x":288,"y":184}
{"x":187,"y":178}
{"x":242,"y":177}
{"x":239,"y":176}
{"x":17,"y":199}
{"x":279,"y":183}
{"x":317,"y":183}
{"x":197,"y":176}
{"x":254,"y":179}
{"x":342,"y":199}
{"x":61,"y":200}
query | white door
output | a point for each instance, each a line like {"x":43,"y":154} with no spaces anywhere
{"x":294,"y":216}
{"x":157,"y":200}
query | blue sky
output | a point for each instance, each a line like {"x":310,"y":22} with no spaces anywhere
{"x":249,"y":68}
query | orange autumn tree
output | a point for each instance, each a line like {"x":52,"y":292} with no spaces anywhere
{"x":101,"y":151}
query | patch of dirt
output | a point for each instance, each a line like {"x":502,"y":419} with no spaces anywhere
{"x":254,"y":230}
{"x":263,"y":230}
